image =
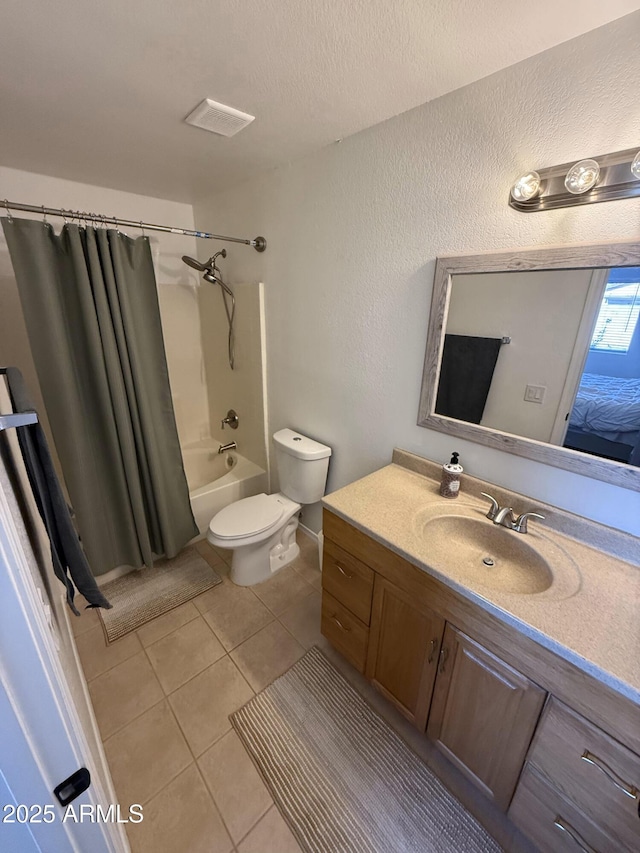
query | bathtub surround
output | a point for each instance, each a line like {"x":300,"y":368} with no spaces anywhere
{"x":90,"y":304}
{"x":242,"y":389}
{"x":354,"y":231}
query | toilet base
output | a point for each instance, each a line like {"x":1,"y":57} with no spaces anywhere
{"x":252,"y":564}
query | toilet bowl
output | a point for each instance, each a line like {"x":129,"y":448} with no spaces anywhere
{"x":261,"y":530}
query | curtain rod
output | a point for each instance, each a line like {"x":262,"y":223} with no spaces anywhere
{"x":258,"y":243}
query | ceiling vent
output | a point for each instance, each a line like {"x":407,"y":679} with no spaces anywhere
{"x":210,"y":115}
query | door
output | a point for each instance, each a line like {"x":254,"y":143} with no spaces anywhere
{"x":47,"y":728}
{"x":483,"y":715}
{"x":403,"y":650}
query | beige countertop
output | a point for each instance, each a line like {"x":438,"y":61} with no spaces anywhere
{"x":591,"y":617}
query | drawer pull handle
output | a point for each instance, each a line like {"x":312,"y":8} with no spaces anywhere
{"x":628,"y":790}
{"x":444,"y":654}
{"x":573,"y":834}
{"x":346,"y":574}
{"x":340,"y":625}
{"x":433,"y":648}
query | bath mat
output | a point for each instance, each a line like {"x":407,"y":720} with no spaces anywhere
{"x":141,"y":596}
{"x":341,"y":777}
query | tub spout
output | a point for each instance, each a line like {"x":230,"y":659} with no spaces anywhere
{"x":224,"y":447}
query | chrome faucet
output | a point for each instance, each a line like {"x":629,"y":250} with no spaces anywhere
{"x":224,"y":447}
{"x":505,"y":518}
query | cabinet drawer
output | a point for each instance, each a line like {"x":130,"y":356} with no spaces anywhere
{"x":591,"y":769}
{"x":344,"y":631}
{"x":348,"y":580}
{"x":552,"y":822}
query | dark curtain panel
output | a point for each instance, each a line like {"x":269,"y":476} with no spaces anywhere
{"x":91,"y":308}
{"x":466,"y":372}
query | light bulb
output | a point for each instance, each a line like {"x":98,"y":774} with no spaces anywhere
{"x":635,"y":166}
{"x":526,"y":187}
{"x":582,"y":176}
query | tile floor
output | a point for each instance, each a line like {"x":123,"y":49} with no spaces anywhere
{"x":162,"y":697}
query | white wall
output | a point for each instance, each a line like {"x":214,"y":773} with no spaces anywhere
{"x":541,"y":313}
{"x":354,"y":231}
{"x":177,"y":288}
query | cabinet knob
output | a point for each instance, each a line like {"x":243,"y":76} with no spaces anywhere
{"x":612,"y":776}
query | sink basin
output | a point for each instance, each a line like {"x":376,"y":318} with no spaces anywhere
{"x":463,"y":544}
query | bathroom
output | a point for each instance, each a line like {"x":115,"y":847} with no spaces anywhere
{"x":354,"y":226}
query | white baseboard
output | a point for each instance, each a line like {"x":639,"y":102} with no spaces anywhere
{"x":308,"y":532}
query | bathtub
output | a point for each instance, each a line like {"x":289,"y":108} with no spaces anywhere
{"x":217,"y":479}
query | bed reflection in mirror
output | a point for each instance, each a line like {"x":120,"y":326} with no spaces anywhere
{"x":548,"y":355}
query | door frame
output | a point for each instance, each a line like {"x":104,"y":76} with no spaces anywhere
{"x":595,"y":292}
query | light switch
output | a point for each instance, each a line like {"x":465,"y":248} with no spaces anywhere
{"x":535,"y":393}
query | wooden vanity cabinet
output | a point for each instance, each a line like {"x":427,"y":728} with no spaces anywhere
{"x":404,"y":644}
{"x":347,"y":592}
{"x":590,"y":780}
{"x":483,"y":715}
{"x":476,"y":687}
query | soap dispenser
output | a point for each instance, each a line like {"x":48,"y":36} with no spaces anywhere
{"x":450,"y":482}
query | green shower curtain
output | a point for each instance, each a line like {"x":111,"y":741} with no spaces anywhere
{"x":91,"y":308}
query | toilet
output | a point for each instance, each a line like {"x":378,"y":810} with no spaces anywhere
{"x":261,"y":530}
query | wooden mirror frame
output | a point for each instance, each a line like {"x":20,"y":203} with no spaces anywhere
{"x":555,"y":258}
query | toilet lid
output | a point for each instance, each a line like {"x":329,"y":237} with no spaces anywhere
{"x":246,"y":517}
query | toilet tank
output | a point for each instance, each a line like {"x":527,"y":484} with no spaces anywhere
{"x":302,"y":466}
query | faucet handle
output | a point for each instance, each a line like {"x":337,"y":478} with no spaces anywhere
{"x":232,"y":420}
{"x":521,"y":521}
{"x":494,"y":508}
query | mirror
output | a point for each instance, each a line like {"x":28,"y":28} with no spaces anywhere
{"x":525,"y":354}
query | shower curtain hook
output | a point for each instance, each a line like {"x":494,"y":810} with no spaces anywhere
{"x":9,"y":216}
{"x":44,"y":215}
{"x":64,"y":215}
{"x":142,"y":228}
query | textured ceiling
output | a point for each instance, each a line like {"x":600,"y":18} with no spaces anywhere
{"x":97,"y":91}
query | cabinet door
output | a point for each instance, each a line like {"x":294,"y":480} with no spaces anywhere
{"x":403,"y":650}
{"x":483,"y":715}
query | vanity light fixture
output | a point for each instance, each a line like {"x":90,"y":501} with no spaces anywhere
{"x":604,"y":178}
{"x":526,"y":187}
{"x":582,"y":177}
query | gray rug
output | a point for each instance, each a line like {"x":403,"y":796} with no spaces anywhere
{"x":340,"y":775}
{"x":141,"y":596}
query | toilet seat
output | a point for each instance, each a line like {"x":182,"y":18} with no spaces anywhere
{"x":247,"y":517}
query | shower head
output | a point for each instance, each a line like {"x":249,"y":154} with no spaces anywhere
{"x":211,"y":272}
{"x":208,"y":266}
{"x":196,"y":265}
